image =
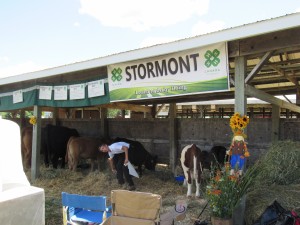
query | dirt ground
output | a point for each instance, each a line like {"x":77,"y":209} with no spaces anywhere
{"x":86,"y":182}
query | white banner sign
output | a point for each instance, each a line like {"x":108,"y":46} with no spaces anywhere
{"x":188,"y":72}
{"x":18,"y":96}
{"x":96,"y":88}
{"x":45,"y":92}
{"x":61,"y":92}
{"x":77,"y":91}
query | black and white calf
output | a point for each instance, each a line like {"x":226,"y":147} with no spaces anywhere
{"x":192,"y":159}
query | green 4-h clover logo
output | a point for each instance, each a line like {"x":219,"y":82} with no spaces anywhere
{"x":116,"y":74}
{"x":212,"y":58}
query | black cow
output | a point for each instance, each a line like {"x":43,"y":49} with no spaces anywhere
{"x":217,"y":155}
{"x":215,"y":158}
{"x":138,"y":155}
{"x":54,"y":143}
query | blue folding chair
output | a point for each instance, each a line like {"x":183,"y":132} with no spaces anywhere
{"x":84,"y":209}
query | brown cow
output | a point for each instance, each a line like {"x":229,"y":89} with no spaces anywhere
{"x":84,"y":148}
{"x":26,"y":141}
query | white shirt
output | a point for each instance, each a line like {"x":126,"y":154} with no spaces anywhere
{"x":116,"y":148}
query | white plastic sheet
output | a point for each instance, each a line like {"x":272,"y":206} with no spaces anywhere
{"x":132,"y":171}
{"x":20,"y":203}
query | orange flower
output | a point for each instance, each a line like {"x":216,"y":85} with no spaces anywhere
{"x":233,"y":178}
{"x":227,"y":166}
{"x":218,"y":176}
{"x":247,"y":154}
{"x":216,"y":192}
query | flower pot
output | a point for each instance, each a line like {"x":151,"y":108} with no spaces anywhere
{"x":221,"y":221}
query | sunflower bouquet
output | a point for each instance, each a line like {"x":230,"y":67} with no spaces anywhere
{"x":238,"y":123}
{"x":32,"y":120}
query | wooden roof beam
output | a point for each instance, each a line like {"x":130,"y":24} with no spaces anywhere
{"x":159,"y":109}
{"x":131,"y":107}
{"x":264,"y":43}
{"x":253,"y":92}
{"x":282,"y":73}
{"x":258,"y":66}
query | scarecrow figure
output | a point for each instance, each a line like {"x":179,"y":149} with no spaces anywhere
{"x":238,"y":149}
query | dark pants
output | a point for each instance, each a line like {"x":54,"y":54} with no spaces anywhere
{"x":122,"y":171}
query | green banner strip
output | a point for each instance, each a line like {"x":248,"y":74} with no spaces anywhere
{"x":168,"y":91}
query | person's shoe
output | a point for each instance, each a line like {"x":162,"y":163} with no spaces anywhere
{"x":131,"y":188}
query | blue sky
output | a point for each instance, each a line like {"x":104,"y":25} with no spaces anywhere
{"x":37,"y":35}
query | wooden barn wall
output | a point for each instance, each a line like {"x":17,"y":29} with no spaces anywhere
{"x":154,"y":133}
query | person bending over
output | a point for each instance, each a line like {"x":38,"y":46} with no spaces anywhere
{"x":118,"y":160}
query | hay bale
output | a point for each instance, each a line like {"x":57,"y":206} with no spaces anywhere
{"x":259,"y":199}
{"x":280,"y":165}
{"x":277,"y":179}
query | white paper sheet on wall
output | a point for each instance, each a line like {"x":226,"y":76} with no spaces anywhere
{"x":77,"y":91}
{"x":96,"y":88}
{"x":17,"y":96}
{"x":61,"y":92}
{"x":45,"y":92}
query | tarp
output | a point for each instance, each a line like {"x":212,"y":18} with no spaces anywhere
{"x":31,"y":97}
{"x":20,"y":203}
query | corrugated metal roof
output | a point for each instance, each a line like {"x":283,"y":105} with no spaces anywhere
{"x":243,"y":31}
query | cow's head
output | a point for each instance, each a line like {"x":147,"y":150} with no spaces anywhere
{"x":151,"y":162}
{"x":74,"y":132}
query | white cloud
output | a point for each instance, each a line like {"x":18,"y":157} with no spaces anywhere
{"x":142,"y":15}
{"x":21,"y":68}
{"x":204,"y":28}
{"x":76,"y":24}
{"x":4,"y":59}
{"x":298,"y":10}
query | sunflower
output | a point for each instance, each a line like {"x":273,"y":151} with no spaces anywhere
{"x":238,"y":122}
{"x":32,"y":120}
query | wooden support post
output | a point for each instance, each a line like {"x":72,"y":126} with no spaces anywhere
{"x":287,"y":113}
{"x":241,"y":107}
{"x":36,"y":144}
{"x":172,"y":137}
{"x":275,"y":122}
{"x":55,"y":117}
{"x":298,"y":100}
{"x":22,"y":119}
{"x":123,"y":113}
{"x":153,"y":111}
{"x":104,"y":125}
{"x":251,"y":113}
{"x":221,"y":112}
{"x":239,"y":94}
